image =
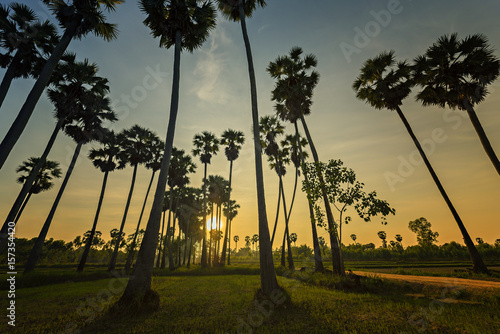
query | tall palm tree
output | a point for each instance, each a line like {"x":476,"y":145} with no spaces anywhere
{"x":383,"y":83}
{"x":77,"y":85}
{"x":87,"y":127}
{"x":157,"y":146}
{"x":43,"y":181}
{"x":135,"y":143}
{"x":217,"y":194}
{"x":206,"y":144}
{"x":78,"y":18}
{"x":107,"y":159}
{"x":295,"y":82}
{"x":25,"y":40}
{"x":233,"y":140}
{"x":184,"y":25}
{"x":236,"y":239}
{"x":456,"y":73}
{"x":239,"y":11}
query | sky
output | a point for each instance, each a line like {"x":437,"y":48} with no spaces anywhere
{"x":215,"y":96}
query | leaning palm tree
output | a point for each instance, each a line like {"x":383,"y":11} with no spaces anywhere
{"x":107,"y":159}
{"x":239,"y":11}
{"x":206,"y":144}
{"x":184,"y":25}
{"x":456,"y":73}
{"x":157,"y":146}
{"x":233,"y":140}
{"x":383,"y":83}
{"x":78,"y":18}
{"x":25,"y":40}
{"x":86,"y":127}
{"x":135,"y":143}
{"x":77,"y":82}
{"x":295,"y":82}
{"x":43,"y":181}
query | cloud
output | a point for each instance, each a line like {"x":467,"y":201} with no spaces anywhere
{"x":209,"y":68}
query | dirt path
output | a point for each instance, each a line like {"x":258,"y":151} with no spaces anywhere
{"x":439,"y":281}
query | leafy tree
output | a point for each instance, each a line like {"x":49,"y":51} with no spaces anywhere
{"x":78,"y":19}
{"x":239,"y":11}
{"x":456,"y":73}
{"x":383,"y":236}
{"x":422,"y":227}
{"x":383,"y":83}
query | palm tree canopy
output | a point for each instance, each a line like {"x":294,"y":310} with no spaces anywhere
{"x":109,"y":156}
{"x":157,"y":148}
{"x":136,"y":144}
{"x":297,"y":148}
{"x":206,"y":144}
{"x":192,"y":20}
{"x":270,"y":128}
{"x":456,"y":72}
{"x":47,"y":173}
{"x":233,"y":209}
{"x":217,"y":189}
{"x":233,"y":140}
{"x":295,"y":82}
{"x":383,"y":83}
{"x":230,"y":8}
{"x":24,"y":38}
{"x":88,"y":15}
{"x":180,"y":166}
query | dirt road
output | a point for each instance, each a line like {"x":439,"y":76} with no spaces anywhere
{"x":439,"y":281}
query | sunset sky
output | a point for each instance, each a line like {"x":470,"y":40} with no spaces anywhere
{"x":215,"y":96}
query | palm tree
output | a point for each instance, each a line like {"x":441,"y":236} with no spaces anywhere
{"x":78,"y":85}
{"x":184,"y":25}
{"x":270,"y":128}
{"x":293,"y":96}
{"x":236,"y":239}
{"x":156,"y":147}
{"x":87,"y":127}
{"x":233,"y":140}
{"x":293,"y":238}
{"x":239,"y":11}
{"x":43,"y":181}
{"x":107,"y":159}
{"x":385,"y":84}
{"x":206,"y":144}
{"x":135,"y":143}
{"x":25,"y":40}
{"x":456,"y":73}
{"x":231,"y":212}
{"x":78,"y":18}
{"x":354,"y":237}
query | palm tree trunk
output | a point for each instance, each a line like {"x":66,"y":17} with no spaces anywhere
{"x":171,"y":264}
{"x":318,"y":262}
{"x":140,"y":286}
{"x":477,"y":262}
{"x":482,"y":136}
{"x":210,"y":239}
{"x":277,"y":213}
{"x":8,"y":77}
{"x":27,"y":186}
{"x":24,"y":115}
{"x":287,"y":231}
{"x":130,"y":256}
{"x":162,"y":243}
{"x":337,"y":261}
{"x":229,"y":242}
{"x":185,"y":243}
{"x":112,"y":263}
{"x":224,"y":247}
{"x":190,"y":248}
{"x":36,"y":251}
{"x":268,"y":280}
{"x":22,"y":207}
{"x":88,"y":245}
{"x":167,"y":245}
{"x":204,"y":260}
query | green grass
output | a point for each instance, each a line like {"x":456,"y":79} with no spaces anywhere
{"x":223,"y":302}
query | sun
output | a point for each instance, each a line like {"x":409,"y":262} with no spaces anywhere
{"x":213,"y":222}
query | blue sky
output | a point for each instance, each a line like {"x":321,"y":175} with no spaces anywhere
{"x":215,"y":96}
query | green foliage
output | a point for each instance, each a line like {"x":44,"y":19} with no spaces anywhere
{"x":425,"y":236}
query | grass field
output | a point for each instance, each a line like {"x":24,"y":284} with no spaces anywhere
{"x":223,"y":301}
